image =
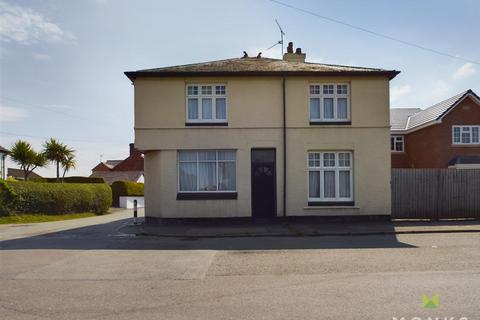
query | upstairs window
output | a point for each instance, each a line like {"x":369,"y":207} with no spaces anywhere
{"x":329,"y":102}
{"x":397,"y":143}
{"x":206,"y":103}
{"x":466,"y":135}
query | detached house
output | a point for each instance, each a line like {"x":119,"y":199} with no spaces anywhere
{"x":263,"y":137}
{"x":446,"y":134}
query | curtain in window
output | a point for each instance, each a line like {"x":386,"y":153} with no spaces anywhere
{"x":188,"y":176}
{"x":207,"y":108}
{"x":329,"y":184}
{"x":192,"y":108}
{"x":226,"y":176}
{"x":314,"y":184}
{"x":328,"y":108}
{"x":342,"y":108}
{"x":207,"y":180}
{"x":314,"y":108}
{"x":221,"y":108}
{"x":344,"y":184}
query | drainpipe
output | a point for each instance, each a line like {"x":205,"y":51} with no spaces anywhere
{"x":284,"y":148}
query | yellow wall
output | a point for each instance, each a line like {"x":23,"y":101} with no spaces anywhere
{"x":255,"y":120}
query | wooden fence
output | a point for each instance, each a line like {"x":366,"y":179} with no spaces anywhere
{"x":435,"y":193}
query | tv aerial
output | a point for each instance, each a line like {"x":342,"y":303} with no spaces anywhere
{"x":280,"y":42}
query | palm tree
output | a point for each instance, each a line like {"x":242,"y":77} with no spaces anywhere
{"x":68,"y":163}
{"x":56,"y":152}
{"x":22,"y":153}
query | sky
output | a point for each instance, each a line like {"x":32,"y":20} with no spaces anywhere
{"x":62,"y":62}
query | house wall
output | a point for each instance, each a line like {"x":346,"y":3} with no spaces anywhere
{"x":255,"y":121}
{"x":431,"y":147}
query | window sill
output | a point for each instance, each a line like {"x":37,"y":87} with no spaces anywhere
{"x":206,"y":124}
{"x":468,"y":145}
{"x":206,"y":195}
{"x":330,"y":204}
{"x":330,"y":123}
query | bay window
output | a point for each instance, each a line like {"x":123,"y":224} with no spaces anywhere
{"x":207,"y":171}
{"x":466,"y":135}
{"x":330,"y":177}
{"x":329,"y":103}
{"x":206,"y":103}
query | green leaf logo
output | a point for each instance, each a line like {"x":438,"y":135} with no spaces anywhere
{"x":430,"y":303}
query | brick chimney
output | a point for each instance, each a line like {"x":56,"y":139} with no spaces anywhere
{"x":133,"y":150}
{"x":298,"y":56}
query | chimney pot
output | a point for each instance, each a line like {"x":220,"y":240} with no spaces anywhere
{"x":298,"y":51}
{"x":290,"y":47}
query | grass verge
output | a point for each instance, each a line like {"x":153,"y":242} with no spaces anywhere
{"x":38,"y":217}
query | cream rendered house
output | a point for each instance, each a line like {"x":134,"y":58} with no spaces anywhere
{"x":263,"y":137}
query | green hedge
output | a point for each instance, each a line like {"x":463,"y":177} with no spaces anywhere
{"x":60,"y":198}
{"x":8,"y":198}
{"x":70,"y":180}
{"x":125,"y":188}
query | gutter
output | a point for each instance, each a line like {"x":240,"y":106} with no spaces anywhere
{"x":284,"y":147}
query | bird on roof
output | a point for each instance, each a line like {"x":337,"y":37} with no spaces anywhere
{"x":245,"y":54}
{"x":259,"y":55}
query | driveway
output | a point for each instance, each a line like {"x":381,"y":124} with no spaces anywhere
{"x":92,"y":270}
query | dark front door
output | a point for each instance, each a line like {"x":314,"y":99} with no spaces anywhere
{"x":263,"y":183}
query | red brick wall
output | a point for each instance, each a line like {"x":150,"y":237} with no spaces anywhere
{"x":432,"y":147}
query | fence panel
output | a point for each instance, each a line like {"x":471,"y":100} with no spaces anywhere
{"x":435,"y":193}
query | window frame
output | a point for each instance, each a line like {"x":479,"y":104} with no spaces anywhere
{"x":470,"y":134}
{"x":337,"y":168}
{"x":395,"y":138}
{"x":335,"y":96}
{"x":199,"y":96}
{"x":197,"y":161}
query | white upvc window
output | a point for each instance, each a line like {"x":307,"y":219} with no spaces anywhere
{"x":397,"y":143}
{"x":465,"y":135}
{"x":206,"y":103}
{"x":329,"y":102}
{"x":330,"y":176}
{"x":206,"y":170}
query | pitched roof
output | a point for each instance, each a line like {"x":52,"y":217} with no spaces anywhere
{"x":3,"y":150}
{"x":18,"y":173}
{"x":257,"y":66}
{"x":112,"y":163}
{"x":399,"y":117}
{"x":412,"y":118}
{"x":112,"y":176}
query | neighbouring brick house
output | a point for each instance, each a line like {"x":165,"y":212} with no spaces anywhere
{"x":446,"y":134}
{"x":130,"y":169}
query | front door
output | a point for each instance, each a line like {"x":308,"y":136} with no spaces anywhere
{"x":263,"y":183}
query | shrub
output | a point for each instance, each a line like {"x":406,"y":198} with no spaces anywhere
{"x":60,"y":198}
{"x":70,"y":180}
{"x":125,"y":188}
{"x":8,"y":198}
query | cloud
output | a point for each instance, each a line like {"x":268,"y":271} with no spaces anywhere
{"x":23,"y":25}
{"x":398,"y":91}
{"x":11,"y":114}
{"x":41,"y":56}
{"x":464,"y":71}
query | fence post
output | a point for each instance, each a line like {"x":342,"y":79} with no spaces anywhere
{"x":135,"y":211}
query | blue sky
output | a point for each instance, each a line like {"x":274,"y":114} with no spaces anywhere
{"x":62,"y":62}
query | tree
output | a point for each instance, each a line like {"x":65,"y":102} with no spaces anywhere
{"x":22,"y":153}
{"x":68,"y":163}
{"x":56,"y":152}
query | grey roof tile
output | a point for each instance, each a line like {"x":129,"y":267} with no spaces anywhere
{"x":399,"y":117}
{"x":112,"y":176}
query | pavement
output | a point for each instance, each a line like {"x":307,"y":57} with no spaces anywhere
{"x":92,"y":269}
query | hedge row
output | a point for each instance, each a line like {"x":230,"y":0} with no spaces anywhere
{"x":125,"y":188}
{"x":55,"y":198}
{"x":70,"y":180}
